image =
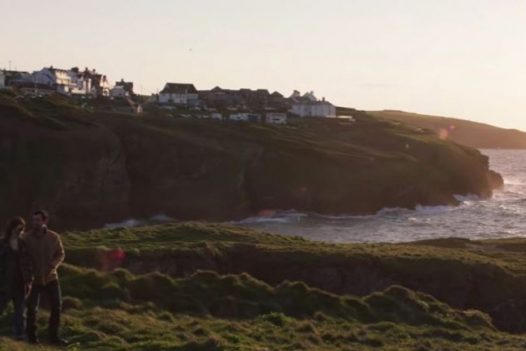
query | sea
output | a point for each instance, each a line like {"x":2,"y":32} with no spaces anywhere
{"x":502,"y":216}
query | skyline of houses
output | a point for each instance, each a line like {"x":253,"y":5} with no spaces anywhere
{"x":71,"y":82}
{"x":242,"y":104}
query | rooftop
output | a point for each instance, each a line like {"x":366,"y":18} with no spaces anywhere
{"x":179,"y":88}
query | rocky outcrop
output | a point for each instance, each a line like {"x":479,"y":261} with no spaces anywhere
{"x":461,"y":284}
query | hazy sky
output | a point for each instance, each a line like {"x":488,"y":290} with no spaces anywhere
{"x":462,"y":58}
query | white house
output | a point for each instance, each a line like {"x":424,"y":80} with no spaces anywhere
{"x":68,"y":82}
{"x":122,"y":89}
{"x":54,"y":77}
{"x":179,"y":94}
{"x":276,"y":118}
{"x":313,"y":109}
{"x":102,"y":87}
{"x":81,"y":83}
{"x":309,"y":106}
{"x":118,"y":91}
{"x":81,"y":87}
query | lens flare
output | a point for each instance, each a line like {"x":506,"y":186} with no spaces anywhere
{"x":443,"y":134}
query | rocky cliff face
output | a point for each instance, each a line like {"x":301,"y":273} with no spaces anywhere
{"x":78,"y":172}
{"x":92,"y":168}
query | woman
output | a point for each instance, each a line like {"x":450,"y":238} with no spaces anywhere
{"x":15,"y":274}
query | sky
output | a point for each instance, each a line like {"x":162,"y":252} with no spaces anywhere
{"x":462,"y":58}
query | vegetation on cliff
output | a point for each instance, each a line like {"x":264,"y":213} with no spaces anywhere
{"x":193,"y":286}
{"x":90,"y":167}
{"x":469,"y":133}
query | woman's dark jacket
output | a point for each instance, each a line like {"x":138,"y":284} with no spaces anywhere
{"x":15,"y":268}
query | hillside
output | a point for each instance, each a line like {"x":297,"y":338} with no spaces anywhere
{"x":90,"y":167}
{"x":194,"y":286}
{"x":473,"y":134}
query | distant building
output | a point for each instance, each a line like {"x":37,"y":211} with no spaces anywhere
{"x":81,"y":83}
{"x":2,"y":79}
{"x":276,"y":118}
{"x":15,"y":78}
{"x":277,"y":101}
{"x":179,"y":94}
{"x":73,"y":81}
{"x":220,"y":98}
{"x":216,"y":115}
{"x":308,"y":105}
{"x":259,"y":99}
{"x":313,"y":109}
{"x":100,"y":85}
{"x":245,"y":116}
{"x":59,"y":79}
{"x":122,"y":89}
{"x":118,"y":92}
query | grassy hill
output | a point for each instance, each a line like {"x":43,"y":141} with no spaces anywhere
{"x":194,"y":286}
{"x":474,"y":134}
{"x":89,"y":166}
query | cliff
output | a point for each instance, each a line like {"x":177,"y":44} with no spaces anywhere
{"x":90,"y":167}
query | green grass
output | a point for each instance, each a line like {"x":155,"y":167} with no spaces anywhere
{"x":473,"y":134}
{"x":207,"y":311}
{"x":196,"y":286}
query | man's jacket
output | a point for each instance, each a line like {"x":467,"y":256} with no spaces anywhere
{"x":46,"y":252}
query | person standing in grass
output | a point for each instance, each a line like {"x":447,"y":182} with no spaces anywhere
{"x":15,"y":274}
{"x":47,"y":253}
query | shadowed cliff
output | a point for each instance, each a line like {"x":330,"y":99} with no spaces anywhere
{"x":90,"y":167}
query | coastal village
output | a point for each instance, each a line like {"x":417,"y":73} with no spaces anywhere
{"x":260,"y":105}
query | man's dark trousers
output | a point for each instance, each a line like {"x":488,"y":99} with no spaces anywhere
{"x":54,"y":296}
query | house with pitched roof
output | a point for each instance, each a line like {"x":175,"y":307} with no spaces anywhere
{"x":58,"y":78}
{"x":122,"y":89}
{"x":179,"y":94}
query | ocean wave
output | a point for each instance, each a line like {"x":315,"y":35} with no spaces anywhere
{"x":291,"y":217}
{"x":132,"y":222}
{"x":161,"y":217}
{"x":468,"y":197}
{"x":262,"y":220}
{"x":127,"y":223}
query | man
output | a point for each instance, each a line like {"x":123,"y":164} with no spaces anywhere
{"x":47,"y":253}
